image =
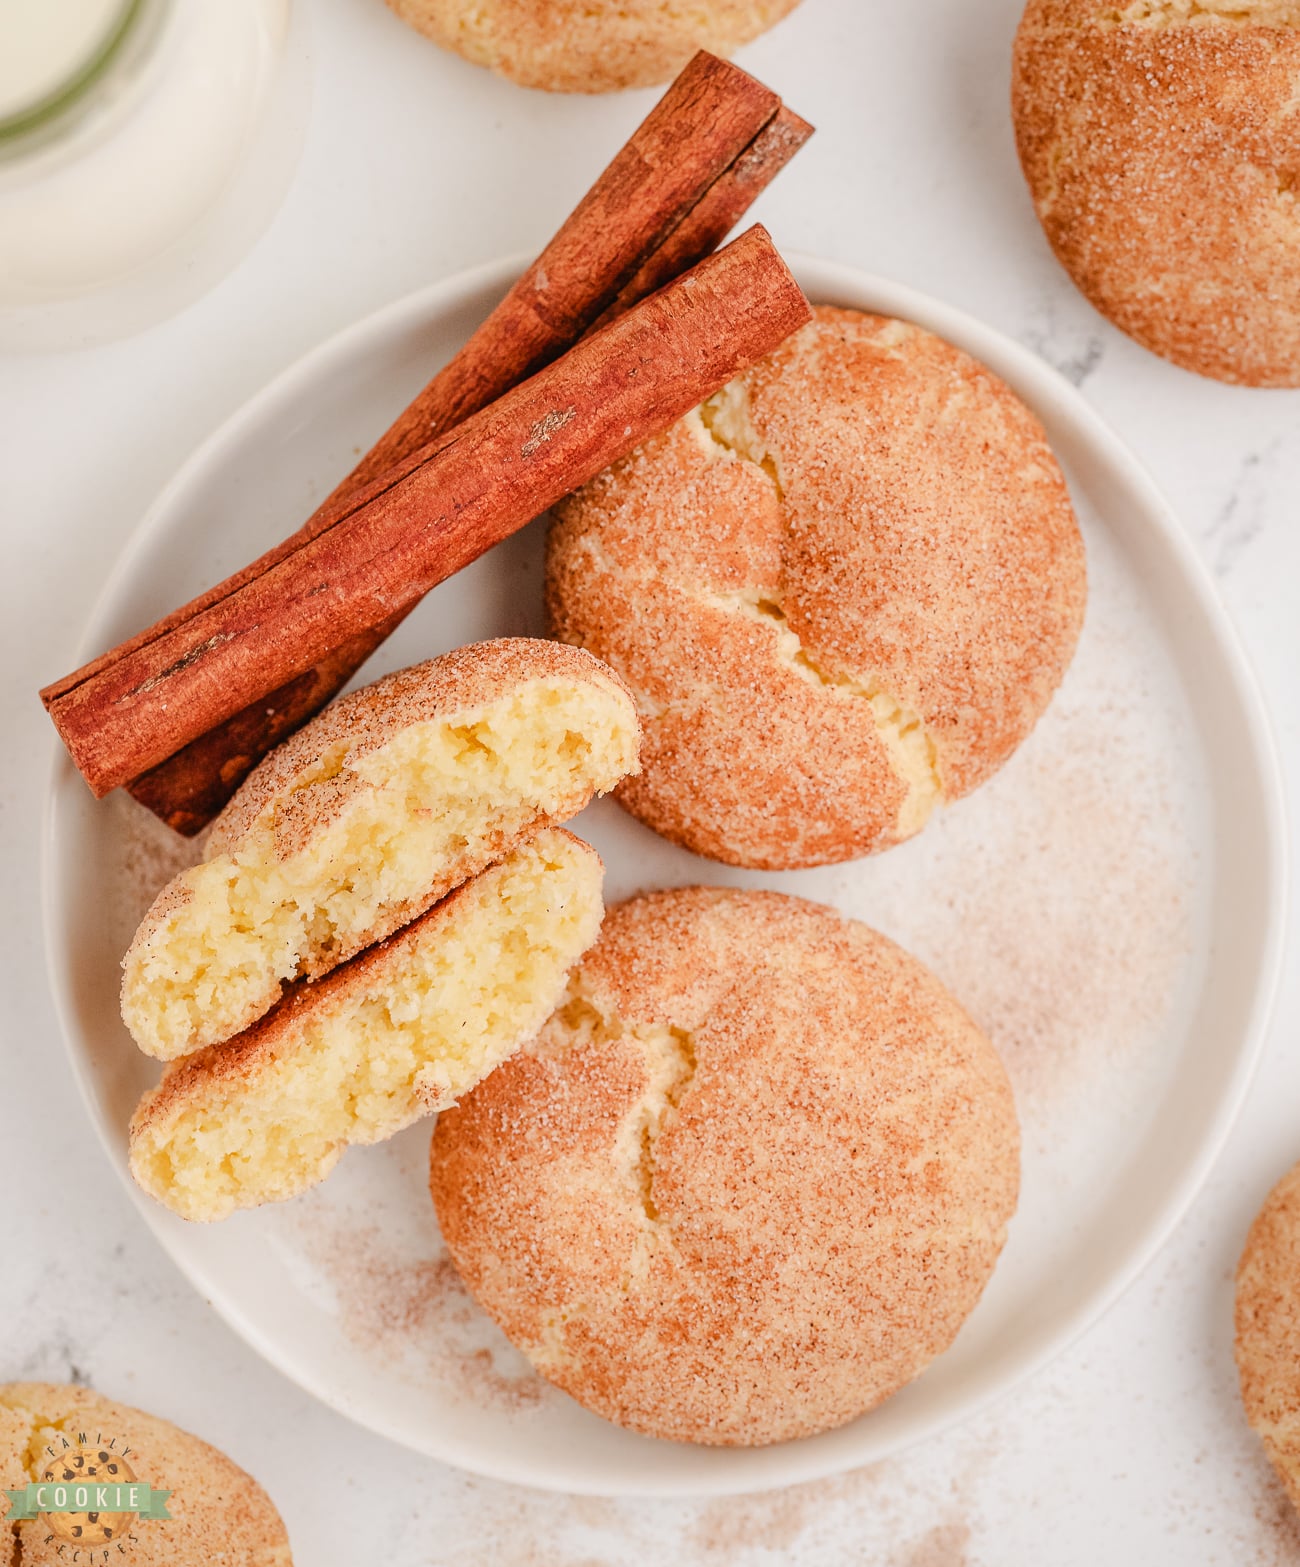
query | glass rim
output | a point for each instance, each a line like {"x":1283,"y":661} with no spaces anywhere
{"x":73,"y":88}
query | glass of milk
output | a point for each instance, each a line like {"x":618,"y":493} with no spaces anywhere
{"x":144,"y":146}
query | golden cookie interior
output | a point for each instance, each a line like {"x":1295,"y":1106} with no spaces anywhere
{"x":365,"y":818}
{"x":401,"y":1031}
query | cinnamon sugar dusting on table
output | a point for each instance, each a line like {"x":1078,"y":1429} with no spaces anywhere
{"x":797,"y":1519}
{"x":943,"y":1546}
{"x":726,"y":1529}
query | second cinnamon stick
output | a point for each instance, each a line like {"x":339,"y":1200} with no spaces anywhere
{"x":669,"y":197}
{"x":411,"y":531}
{"x":708,"y":118}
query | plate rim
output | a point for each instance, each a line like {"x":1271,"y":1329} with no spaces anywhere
{"x":984,"y":342}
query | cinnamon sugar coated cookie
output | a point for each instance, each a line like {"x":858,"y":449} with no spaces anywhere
{"x":841,"y":592}
{"x":1268,"y":1328}
{"x":395,"y":1034}
{"x":1161,"y":142}
{"x":366,"y":817}
{"x":219,"y":1514}
{"x":574,"y":46}
{"x":749,"y":1180}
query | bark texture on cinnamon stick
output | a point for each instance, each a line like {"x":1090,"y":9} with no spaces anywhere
{"x":719,"y":210}
{"x":672,"y":194}
{"x":382,"y":550}
{"x":707,"y":119}
{"x":703,"y":123}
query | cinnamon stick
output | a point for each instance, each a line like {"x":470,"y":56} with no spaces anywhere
{"x":380,"y":551}
{"x":707,"y":118}
{"x":719,"y":210}
{"x":669,"y":197}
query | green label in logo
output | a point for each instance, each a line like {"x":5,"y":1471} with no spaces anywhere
{"x":87,"y":1493}
{"x":60,"y":1496}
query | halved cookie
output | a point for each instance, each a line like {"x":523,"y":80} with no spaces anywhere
{"x":397,"y":1033}
{"x":364,"y":819}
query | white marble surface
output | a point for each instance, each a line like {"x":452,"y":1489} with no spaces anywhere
{"x":1131,"y":1448}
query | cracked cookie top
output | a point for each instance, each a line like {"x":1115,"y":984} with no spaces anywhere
{"x":749,"y":1180}
{"x":842,"y":592}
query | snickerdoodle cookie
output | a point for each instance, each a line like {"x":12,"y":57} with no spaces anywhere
{"x":365,"y":818}
{"x":73,"y":1436}
{"x":749,"y":1180}
{"x":397,"y":1033}
{"x":1268,"y":1328}
{"x":572,"y":46}
{"x":1161,"y":142}
{"x":841,"y":592}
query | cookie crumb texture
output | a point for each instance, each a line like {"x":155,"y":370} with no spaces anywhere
{"x":574,"y":46}
{"x":1268,"y":1329}
{"x":218,"y":1513}
{"x":842,"y":592}
{"x":392,"y":1036}
{"x":364,"y":819}
{"x":750,"y":1179}
{"x":1161,"y":143}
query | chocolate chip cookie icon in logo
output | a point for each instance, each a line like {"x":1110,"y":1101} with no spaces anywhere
{"x":81,"y":1466}
{"x":87,"y":1493}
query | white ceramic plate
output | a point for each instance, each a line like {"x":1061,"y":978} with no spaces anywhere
{"x":1109,"y":907}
